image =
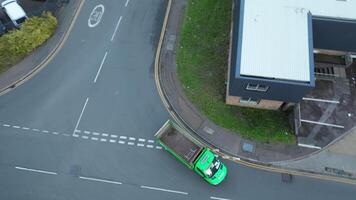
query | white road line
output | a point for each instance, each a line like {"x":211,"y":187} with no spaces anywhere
{"x":85,"y":137}
{"x":105,"y":135}
{"x":94,"y":138}
{"x":127,"y":3}
{"x":116,"y":28}
{"x":36,"y":170}
{"x":141,"y":140}
{"x":113,"y":141}
{"x":321,"y":123}
{"x":132,"y":138}
{"x":87,"y":132}
{"x":65,"y":134}
{"x":150,"y":141}
{"x":6,"y":125}
{"x":123,"y":137}
{"x":95,"y":133}
{"x":321,"y":100}
{"x":25,"y":128}
{"x":81,"y":115}
{"x":102,"y":140}
{"x":308,"y":146}
{"x":121,"y":142}
{"x":140,"y":145}
{"x":101,"y":65}
{"x":130,"y":143}
{"x":55,"y":133}
{"x":149,"y":146}
{"x":218,"y":198}
{"x":164,"y":190}
{"x":113,"y":136}
{"x":35,"y":129}
{"x":78,"y":131}
{"x":100,"y":180}
{"x":75,"y":135}
{"x":158,"y":147}
{"x":44,"y":131}
{"x":15,"y":127}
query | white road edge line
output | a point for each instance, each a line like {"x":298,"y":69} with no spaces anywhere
{"x":116,"y":28}
{"x":321,"y":100}
{"x":127,"y":3}
{"x":164,"y":190}
{"x":321,"y":123}
{"x":308,"y":146}
{"x":6,"y":125}
{"x":218,"y":198}
{"x":81,"y":115}
{"x":101,"y":65}
{"x":100,"y":180}
{"x":36,"y":170}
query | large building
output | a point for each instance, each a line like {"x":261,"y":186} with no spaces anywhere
{"x":273,"y":43}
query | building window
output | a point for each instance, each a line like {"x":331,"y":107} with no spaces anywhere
{"x":249,"y":100}
{"x":257,"y":87}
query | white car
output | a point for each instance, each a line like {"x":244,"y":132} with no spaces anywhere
{"x":14,"y":11}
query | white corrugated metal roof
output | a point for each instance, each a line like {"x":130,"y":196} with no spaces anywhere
{"x":275,"y":38}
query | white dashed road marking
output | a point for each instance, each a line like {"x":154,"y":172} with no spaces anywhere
{"x":127,"y":3}
{"x":36,"y":170}
{"x":101,"y":66}
{"x":163,"y":190}
{"x":218,"y":198}
{"x":81,"y":115}
{"x":116,"y":28}
{"x":100,"y":180}
{"x":102,"y":137}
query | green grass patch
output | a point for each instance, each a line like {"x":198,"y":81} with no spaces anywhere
{"x":18,"y":43}
{"x":202,"y":67}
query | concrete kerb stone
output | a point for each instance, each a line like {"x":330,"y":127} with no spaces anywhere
{"x":17,"y":81}
{"x":221,"y":152}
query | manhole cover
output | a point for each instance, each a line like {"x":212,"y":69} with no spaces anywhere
{"x":287,"y":178}
{"x":208,"y":130}
{"x":75,"y":170}
{"x":247,"y":147}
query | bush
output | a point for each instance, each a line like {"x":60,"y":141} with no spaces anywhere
{"x":20,"y":42}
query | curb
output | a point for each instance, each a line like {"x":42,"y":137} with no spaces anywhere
{"x":48,"y":58}
{"x":244,"y":161}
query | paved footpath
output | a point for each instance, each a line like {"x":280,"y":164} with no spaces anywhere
{"x":338,"y":159}
{"x":336,"y":156}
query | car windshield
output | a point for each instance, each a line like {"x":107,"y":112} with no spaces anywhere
{"x":21,"y":20}
{"x":214,"y":167}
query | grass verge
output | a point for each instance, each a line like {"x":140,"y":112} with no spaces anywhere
{"x":202,"y":57}
{"x":18,"y":43}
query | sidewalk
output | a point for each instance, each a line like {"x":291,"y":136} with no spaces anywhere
{"x":33,"y":63}
{"x":231,"y":144}
{"x":337,"y":159}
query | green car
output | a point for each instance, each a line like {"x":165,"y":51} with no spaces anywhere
{"x":191,"y":152}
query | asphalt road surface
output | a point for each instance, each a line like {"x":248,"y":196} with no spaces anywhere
{"x":83,"y":127}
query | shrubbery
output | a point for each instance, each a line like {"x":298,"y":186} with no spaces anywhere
{"x":18,"y":43}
